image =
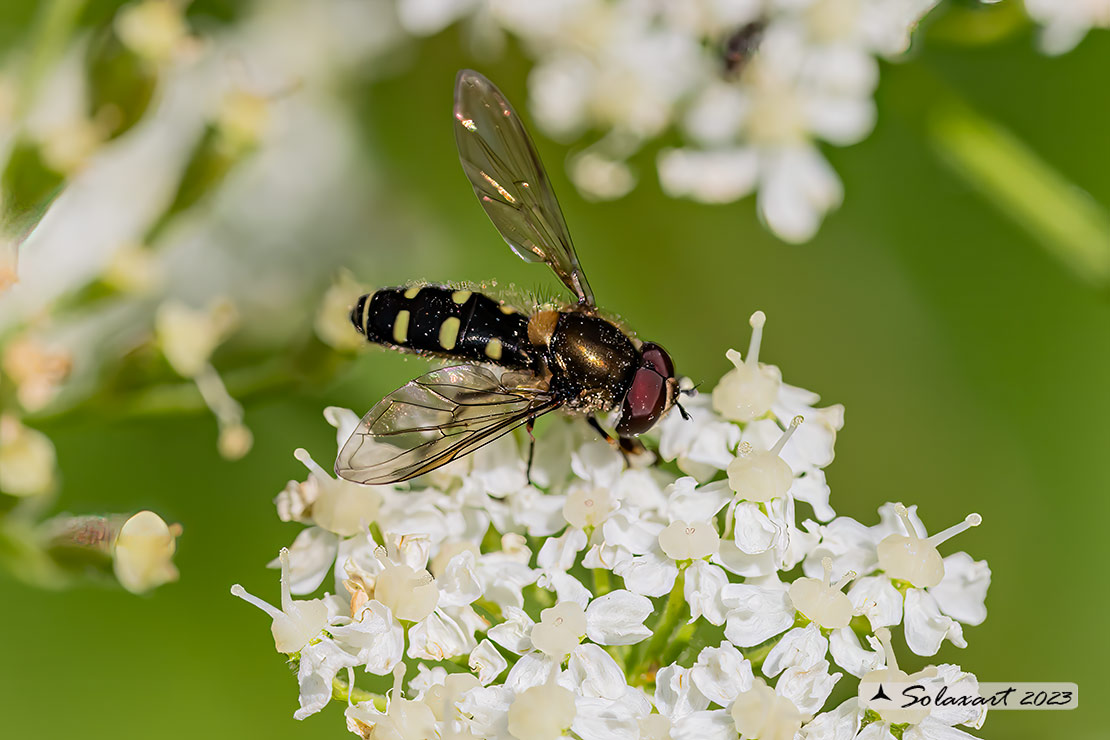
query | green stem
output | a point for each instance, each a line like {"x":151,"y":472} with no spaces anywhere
{"x":602,"y":583}
{"x":1070,"y":225}
{"x":681,"y":641}
{"x":663,"y":631}
{"x":341,"y":691}
{"x":757,"y":655}
{"x":53,"y":29}
{"x":1064,"y":218}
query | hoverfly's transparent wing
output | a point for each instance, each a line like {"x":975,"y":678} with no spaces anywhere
{"x":502,"y":164}
{"x":434,"y":419}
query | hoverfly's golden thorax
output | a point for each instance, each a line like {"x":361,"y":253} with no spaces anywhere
{"x":592,"y":361}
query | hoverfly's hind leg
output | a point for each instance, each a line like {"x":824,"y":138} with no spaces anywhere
{"x":531,"y":448}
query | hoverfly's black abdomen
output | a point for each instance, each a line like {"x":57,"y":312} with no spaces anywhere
{"x":438,"y":320}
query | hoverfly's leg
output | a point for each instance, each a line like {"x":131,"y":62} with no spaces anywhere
{"x":531,"y":448}
{"x":631,"y":446}
{"x":604,"y":434}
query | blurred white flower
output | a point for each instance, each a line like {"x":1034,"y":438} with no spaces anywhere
{"x":1066,"y":22}
{"x":189,"y":336}
{"x":143,"y":552}
{"x":619,"y":73}
{"x":154,"y":29}
{"x":27,"y":459}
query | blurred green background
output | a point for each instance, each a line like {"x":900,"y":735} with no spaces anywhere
{"x":975,"y":370}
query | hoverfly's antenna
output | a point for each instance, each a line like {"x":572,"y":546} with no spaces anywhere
{"x":684,"y":412}
{"x":691,"y":391}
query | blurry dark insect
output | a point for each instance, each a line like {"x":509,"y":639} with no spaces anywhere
{"x":568,"y":358}
{"x":741,"y":46}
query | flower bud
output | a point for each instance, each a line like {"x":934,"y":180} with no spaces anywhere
{"x":915,"y":559}
{"x":542,"y":712}
{"x":761,"y":713}
{"x":822,"y":602}
{"x":747,"y":392}
{"x":689,"y":540}
{"x":761,"y":475}
{"x":26,"y":459}
{"x":143,"y":552}
{"x":560,"y":629}
{"x":409,"y":593}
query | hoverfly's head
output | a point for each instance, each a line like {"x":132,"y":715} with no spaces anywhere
{"x":653,"y":391}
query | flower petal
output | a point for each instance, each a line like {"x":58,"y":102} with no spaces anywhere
{"x":721,"y":673}
{"x":964,"y":588}
{"x":926,"y":628}
{"x":617,"y":618}
{"x":801,"y":647}
{"x":756,"y":613}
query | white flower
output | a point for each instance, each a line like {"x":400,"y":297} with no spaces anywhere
{"x":36,"y":367}
{"x":338,"y":505}
{"x":487,"y":662}
{"x":154,"y":29}
{"x":543,"y":712}
{"x":721,"y":673}
{"x":761,"y":712}
{"x":701,"y":445}
{"x":925,"y":722}
{"x":143,"y":552}
{"x":403,"y":719}
{"x":296,"y":622}
{"x":333,"y":324}
{"x":617,"y":618}
{"x":914,"y":561}
{"x":188,"y":336}
{"x":458,"y":581}
{"x":27,"y":459}
{"x":747,"y":391}
{"x":757,"y":613}
{"x":1066,"y":22}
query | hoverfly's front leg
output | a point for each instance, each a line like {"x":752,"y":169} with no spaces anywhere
{"x":600,"y":430}
{"x":531,"y":447}
{"x":629,"y":447}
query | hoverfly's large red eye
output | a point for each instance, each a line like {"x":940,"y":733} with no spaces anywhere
{"x":657,"y":357}
{"x":651,"y":393}
{"x":645,"y":402}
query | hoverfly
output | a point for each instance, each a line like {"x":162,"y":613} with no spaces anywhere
{"x":569,"y":358}
{"x":741,"y":46}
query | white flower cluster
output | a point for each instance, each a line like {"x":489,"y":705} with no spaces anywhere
{"x":607,"y":600}
{"x":230,"y":112}
{"x":752,"y":85}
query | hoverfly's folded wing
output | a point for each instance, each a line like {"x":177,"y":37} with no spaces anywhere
{"x":434,"y":419}
{"x":502,"y":164}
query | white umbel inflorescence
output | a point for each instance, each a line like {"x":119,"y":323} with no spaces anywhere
{"x":750,"y":88}
{"x":608,"y":600}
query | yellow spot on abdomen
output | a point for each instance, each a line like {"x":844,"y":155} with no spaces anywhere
{"x":507,"y":310}
{"x":401,"y":327}
{"x":493,"y":349}
{"x":411,"y":292}
{"x":461,"y":296}
{"x":449,"y":333}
